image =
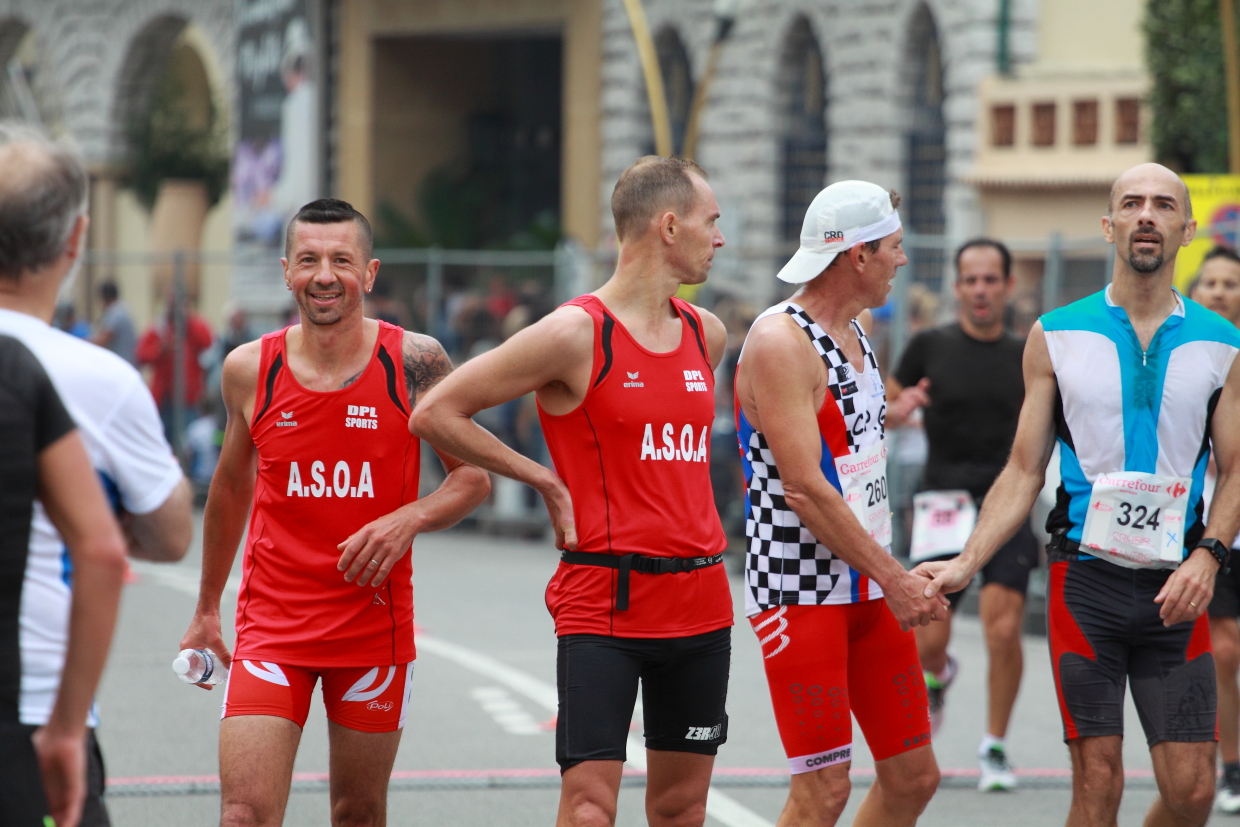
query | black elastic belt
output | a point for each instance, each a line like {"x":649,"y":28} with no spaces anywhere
{"x":1060,"y":548}
{"x":637,"y":562}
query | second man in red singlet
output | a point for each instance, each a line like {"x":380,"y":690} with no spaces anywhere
{"x":624,"y":381}
{"x":317,"y":440}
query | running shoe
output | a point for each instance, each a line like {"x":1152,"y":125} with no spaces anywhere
{"x":1227,"y":799}
{"x":936,"y":690}
{"x":996,"y":773}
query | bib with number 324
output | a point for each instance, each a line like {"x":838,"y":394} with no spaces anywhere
{"x":863,"y":482}
{"x":1136,"y":520}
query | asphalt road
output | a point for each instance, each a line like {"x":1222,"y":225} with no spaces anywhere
{"x":478,"y":748}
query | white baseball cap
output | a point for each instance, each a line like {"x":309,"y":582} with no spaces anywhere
{"x":843,"y":214}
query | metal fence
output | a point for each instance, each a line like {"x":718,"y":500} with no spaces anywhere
{"x":473,"y":299}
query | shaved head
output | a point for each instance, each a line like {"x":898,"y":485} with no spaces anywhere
{"x":1155,"y":174}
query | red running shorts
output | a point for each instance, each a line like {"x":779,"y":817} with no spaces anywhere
{"x":824,"y":662}
{"x":366,"y":699}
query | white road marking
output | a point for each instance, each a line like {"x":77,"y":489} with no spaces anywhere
{"x":507,"y":713}
{"x":719,"y":806}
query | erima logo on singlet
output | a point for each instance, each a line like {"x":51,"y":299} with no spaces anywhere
{"x":362,"y":416}
{"x":287,"y":421}
{"x":694,"y":381}
{"x":670,"y":450}
{"x":341,"y":484}
{"x":632,"y":383}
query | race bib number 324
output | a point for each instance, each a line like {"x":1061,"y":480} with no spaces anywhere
{"x":1136,"y":520}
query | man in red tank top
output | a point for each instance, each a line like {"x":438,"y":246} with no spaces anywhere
{"x":317,"y":441}
{"x":624,"y":381}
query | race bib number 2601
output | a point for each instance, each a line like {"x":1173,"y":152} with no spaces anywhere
{"x":863,"y":482}
{"x":1136,"y":520}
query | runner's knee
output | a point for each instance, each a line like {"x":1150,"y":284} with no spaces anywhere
{"x":677,"y":811}
{"x":247,"y":814}
{"x":1189,"y":796}
{"x":820,"y":797}
{"x":911,"y":782}
{"x":352,"y":811}
{"x":1226,"y":645}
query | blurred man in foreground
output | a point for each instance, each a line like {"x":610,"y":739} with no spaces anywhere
{"x":43,"y":189}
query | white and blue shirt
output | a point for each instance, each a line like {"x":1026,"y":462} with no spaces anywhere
{"x":1122,"y":407}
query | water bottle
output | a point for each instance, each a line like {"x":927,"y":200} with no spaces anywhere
{"x":199,"y":666}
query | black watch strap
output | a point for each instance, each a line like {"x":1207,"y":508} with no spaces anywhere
{"x":1221,"y":552}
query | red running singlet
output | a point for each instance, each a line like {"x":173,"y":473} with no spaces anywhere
{"x":635,"y":455}
{"x":329,"y":462}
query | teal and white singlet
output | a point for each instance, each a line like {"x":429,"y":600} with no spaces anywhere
{"x":1122,"y":408}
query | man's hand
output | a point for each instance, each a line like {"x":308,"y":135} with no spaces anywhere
{"x":204,"y":633}
{"x":910,"y":605}
{"x":374,"y":549}
{"x":560,"y":506}
{"x":1187,"y":592}
{"x":945,"y":576}
{"x":62,"y":764}
{"x":909,"y":400}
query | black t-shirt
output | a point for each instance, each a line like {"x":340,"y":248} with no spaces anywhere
{"x":976,"y":390}
{"x":32,"y":417}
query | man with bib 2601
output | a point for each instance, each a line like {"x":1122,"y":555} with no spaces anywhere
{"x":1135,"y":383}
{"x":830,"y":605}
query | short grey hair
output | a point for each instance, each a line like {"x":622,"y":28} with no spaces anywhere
{"x":40,"y":201}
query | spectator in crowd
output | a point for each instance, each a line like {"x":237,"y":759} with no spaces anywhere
{"x":114,"y":330}
{"x":156,"y":348}
{"x":65,"y":318}
{"x":1217,"y":284}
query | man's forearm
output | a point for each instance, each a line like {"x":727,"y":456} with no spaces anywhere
{"x":1006,"y":506}
{"x":463,"y":438}
{"x":823,"y":511}
{"x":223,"y":525}
{"x":462,"y":490}
{"x":1224,"y":522}
{"x":97,"y":581}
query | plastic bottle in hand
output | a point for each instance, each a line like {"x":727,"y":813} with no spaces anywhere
{"x":199,"y":666}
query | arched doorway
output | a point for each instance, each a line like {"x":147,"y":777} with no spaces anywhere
{"x":925,"y":143}
{"x":26,"y":90}
{"x":803,"y":149}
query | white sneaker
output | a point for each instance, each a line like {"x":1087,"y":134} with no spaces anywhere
{"x":1227,"y":799}
{"x":996,"y":773}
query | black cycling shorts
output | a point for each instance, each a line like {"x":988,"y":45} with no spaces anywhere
{"x":1104,"y":631}
{"x":22,"y":803}
{"x":1226,"y":600}
{"x":1010,"y":566}
{"x":684,"y":684}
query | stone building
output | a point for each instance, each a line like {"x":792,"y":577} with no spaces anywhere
{"x":87,"y":69}
{"x":806,"y":93}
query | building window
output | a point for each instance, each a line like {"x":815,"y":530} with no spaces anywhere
{"x":1003,"y":125}
{"x":803,"y":85}
{"x":1043,"y":124}
{"x":1085,"y":123}
{"x":1127,"y":120}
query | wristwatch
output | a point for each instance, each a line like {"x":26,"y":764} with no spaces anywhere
{"x":1220,"y":552}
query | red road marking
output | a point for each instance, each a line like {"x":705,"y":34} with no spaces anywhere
{"x":724,"y":772}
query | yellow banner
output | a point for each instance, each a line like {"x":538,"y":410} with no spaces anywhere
{"x":1216,"y":206}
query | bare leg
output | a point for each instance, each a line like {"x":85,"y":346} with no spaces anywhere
{"x":902,"y":788}
{"x":816,"y":799}
{"x":1097,"y":780}
{"x":588,"y":793}
{"x":932,"y":643}
{"x":361,"y":765}
{"x":676,"y":786}
{"x":256,"y":767}
{"x":1003,"y":613}
{"x":1185,"y":774}
{"x":1225,"y":640}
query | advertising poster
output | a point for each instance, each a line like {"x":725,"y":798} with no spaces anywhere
{"x":278,"y":160}
{"x":1216,"y":206}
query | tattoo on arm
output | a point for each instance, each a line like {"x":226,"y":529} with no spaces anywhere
{"x":426,"y":364}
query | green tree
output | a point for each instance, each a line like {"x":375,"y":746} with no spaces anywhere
{"x":1184,"y":53}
